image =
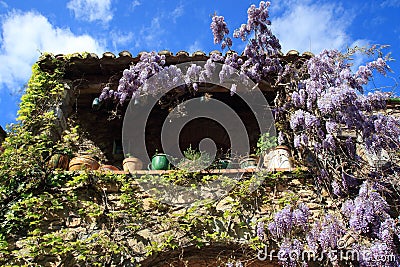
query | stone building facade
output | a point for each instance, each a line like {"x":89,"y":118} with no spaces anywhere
{"x":86,"y":76}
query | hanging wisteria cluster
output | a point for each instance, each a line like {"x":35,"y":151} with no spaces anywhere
{"x":322,"y":113}
{"x":334,"y":125}
{"x":135,"y":77}
{"x":288,"y":224}
{"x":364,"y":232}
{"x":260,"y":60}
{"x":262,"y":49}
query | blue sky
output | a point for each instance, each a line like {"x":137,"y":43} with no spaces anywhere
{"x":31,"y":27}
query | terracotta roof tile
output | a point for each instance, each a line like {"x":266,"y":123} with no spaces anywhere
{"x":108,"y":55}
{"x":198,"y":53}
{"x":166,"y":53}
{"x":230,"y":52}
{"x":125,"y":54}
{"x":292,"y":53}
{"x":307,"y":55}
{"x":182,"y":53}
{"x":215,"y":52}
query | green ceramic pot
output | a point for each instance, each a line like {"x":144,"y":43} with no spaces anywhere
{"x":96,"y":104}
{"x":248,"y":163}
{"x":224,"y":164}
{"x":159,"y":162}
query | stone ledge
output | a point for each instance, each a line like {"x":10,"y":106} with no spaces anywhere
{"x":204,"y":172}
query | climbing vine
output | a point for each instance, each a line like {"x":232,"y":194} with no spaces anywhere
{"x":93,"y":218}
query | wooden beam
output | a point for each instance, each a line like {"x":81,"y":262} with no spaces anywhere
{"x":96,"y":88}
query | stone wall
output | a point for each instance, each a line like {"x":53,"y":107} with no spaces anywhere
{"x":113,"y":213}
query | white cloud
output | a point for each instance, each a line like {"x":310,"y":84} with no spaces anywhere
{"x":177,"y":12}
{"x":390,"y":3}
{"x":4,"y":4}
{"x":134,"y":4}
{"x":304,"y":26}
{"x":359,"y":58}
{"x":196,"y":46}
{"x":150,"y":37}
{"x":91,"y":10}
{"x":25,"y":35}
{"x":120,"y":39}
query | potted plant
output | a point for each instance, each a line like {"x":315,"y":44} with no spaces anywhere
{"x":59,"y":160}
{"x":224,"y":160}
{"x":194,"y":160}
{"x":223,"y":163}
{"x":108,"y":168}
{"x":274,"y":156}
{"x":265,"y":143}
{"x":87,"y":159}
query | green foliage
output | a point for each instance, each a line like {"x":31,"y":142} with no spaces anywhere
{"x":38,"y":221}
{"x":30,"y":142}
{"x":71,"y":218}
{"x":265,"y":142}
{"x":194,"y":160}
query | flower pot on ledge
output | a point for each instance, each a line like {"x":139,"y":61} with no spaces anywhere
{"x":131,"y":164}
{"x":159,"y":162}
{"x":108,"y":168}
{"x":58,"y":161}
{"x":278,"y":158}
{"x":83,"y":163}
{"x":248,"y":163}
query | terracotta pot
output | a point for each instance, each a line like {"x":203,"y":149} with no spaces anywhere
{"x":83,"y":163}
{"x":278,"y":158}
{"x":132,"y":164}
{"x":108,"y":168}
{"x":58,"y":161}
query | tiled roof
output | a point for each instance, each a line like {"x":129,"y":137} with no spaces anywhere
{"x":109,"y":63}
{"x":178,"y":55}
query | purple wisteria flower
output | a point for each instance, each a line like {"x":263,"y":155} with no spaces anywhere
{"x":260,"y":230}
{"x":325,"y":234}
{"x":329,"y":142}
{"x":281,"y":138}
{"x":136,"y":76}
{"x":288,"y":220}
{"x":378,"y":254}
{"x":311,"y":120}
{"x":219,"y":28}
{"x":367,"y":210}
{"x":331,"y":127}
{"x":290,"y":251}
{"x":297,"y":120}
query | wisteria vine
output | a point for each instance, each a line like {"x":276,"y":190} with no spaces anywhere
{"x":260,"y":60}
{"x":322,"y":113}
